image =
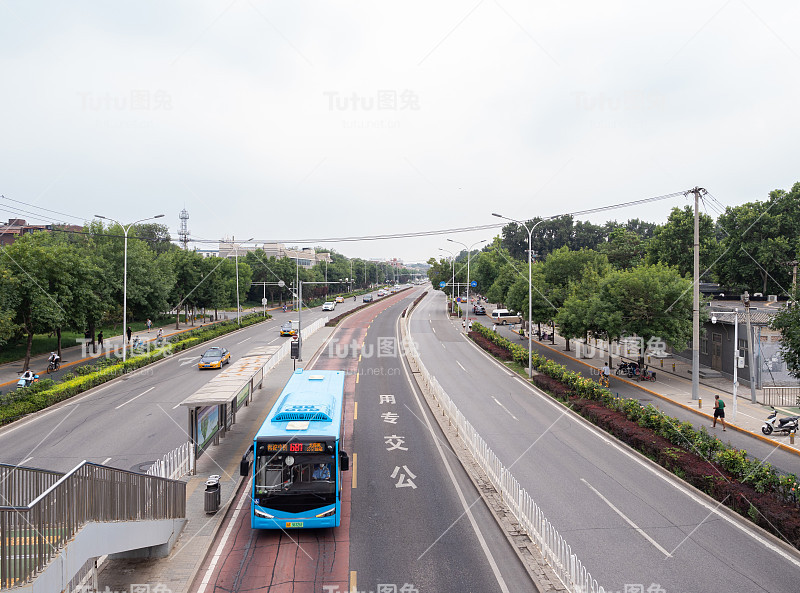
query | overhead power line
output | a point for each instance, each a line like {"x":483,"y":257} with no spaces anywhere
{"x":483,"y":227}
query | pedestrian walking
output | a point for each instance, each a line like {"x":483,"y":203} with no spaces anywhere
{"x":494,"y":327}
{"x":100,"y":340}
{"x":149,"y":325}
{"x":605,"y":374}
{"x":463,"y":323}
{"x":719,"y":412}
{"x":129,"y":333}
{"x":470,"y":325}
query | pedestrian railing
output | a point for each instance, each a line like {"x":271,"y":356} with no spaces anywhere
{"x":177,"y":463}
{"x":781,"y":396}
{"x":32,"y":533}
{"x":555,"y":549}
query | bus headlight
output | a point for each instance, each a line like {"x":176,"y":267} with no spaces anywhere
{"x":327,"y":513}
{"x":262,"y":514}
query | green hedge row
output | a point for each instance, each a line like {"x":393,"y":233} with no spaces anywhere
{"x":48,"y":392}
{"x":748,"y":470}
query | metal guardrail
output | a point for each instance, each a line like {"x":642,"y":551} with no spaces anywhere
{"x":175,"y":464}
{"x":556,"y":550}
{"x":33,"y":533}
{"x":781,"y":396}
{"x":20,"y":485}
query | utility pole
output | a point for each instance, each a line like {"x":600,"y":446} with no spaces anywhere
{"x":746,"y":301}
{"x":697,"y":191}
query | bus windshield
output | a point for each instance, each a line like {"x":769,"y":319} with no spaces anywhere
{"x":286,"y":475}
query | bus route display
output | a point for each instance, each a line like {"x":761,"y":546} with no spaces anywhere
{"x":296,"y":447}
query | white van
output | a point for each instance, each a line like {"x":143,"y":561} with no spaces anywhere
{"x":503,"y":316}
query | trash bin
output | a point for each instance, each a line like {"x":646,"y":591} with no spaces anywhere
{"x":212,"y":495}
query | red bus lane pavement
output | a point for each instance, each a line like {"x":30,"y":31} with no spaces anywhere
{"x":294,"y":560}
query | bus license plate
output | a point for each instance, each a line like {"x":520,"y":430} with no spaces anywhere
{"x":293,"y":524}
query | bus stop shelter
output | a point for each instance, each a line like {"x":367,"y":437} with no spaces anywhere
{"x":212,"y":408}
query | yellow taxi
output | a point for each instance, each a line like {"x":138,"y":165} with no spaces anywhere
{"x":214,"y":358}
{"x":340,"y":299}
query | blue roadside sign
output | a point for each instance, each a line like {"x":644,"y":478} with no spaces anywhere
{"x":474,"y":283}
{"x":442,"y":284}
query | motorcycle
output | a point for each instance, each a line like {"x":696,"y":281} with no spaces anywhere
{"x":629,"y":369}
{"x":781,"y":425}
{"x":27,"y":382}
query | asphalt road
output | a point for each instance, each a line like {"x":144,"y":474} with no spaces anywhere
{"x":130,"y":422}
{"x":783,"y":460}
{"x":416,"y":517}
{"x":397,"y":528}
{"x":630,"y":524}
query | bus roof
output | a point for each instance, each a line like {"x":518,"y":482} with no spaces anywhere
{"x":310,"y":405}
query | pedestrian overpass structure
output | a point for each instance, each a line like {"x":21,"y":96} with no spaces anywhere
{"x":53,"y":525}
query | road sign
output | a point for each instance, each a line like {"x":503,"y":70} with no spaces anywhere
{"x":264,"y":302}
{"x":442,"y":284}
{"x":281,"y":283}
{"x":474,"y":283}
{"x":295,"y":337}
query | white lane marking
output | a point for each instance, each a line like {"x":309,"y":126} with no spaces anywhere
{"x":505,"y":408}
{"x":133,"y":398}
{"x":443,"y":346}
{"x":187,"y":358}
{"x":270,"y":342}
{"x":106,"y":461}
{"x":462,"y":367}
{"x":192,"y":361}
{"x":669,"y":479}
{"x":24,"y":461}
{"x":433,"y":329}
{"x":218,"y":552}
{"x":243,"y":341}
{"x":467,"y":508}
{"x":627,"y":520}
{"x":176,"y":405}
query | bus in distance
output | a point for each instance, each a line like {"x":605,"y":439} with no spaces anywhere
{"x":297,"y":456}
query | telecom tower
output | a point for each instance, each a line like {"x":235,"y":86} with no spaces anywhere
{"x":183,"y":232}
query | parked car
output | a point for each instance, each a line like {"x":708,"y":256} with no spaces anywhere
{"x":214,"y":358}
{"x":328,"y":306}
{"x":367,"y":298}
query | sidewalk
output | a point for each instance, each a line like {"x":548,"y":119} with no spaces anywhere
{"x":177,"y":572}
{"x":675,"y":386}
{"x":72,"y":355}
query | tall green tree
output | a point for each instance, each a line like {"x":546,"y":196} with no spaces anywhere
{"x":624,"y":249}
{"x":673,"y":243}
{"x":787,"y":321}
{"x":648,"y":301}
{"x":759,"y":238}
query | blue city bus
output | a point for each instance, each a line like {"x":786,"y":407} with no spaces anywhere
{"x":297,"y":456}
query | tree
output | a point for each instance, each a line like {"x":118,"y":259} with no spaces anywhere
{"x":35,"y":276}
{"x":787,"y":321}
{"x":647,"y":301}
{"x":759,"y":237}
{"x":564,"y":267}
{"x":542,"y":308}
{"x":624,"y":249}
{"x":673,"y":243}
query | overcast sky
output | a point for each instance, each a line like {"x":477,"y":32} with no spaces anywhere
{"x":300,"y":120}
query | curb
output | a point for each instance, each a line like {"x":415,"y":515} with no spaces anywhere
{"x":691,"y":409}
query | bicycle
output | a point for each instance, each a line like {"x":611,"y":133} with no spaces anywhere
{"x":604,"y":381}
{"x":53,"y":366}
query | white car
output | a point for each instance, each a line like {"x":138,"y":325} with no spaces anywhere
{"x":329,"y":306}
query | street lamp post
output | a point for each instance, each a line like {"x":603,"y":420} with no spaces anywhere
{"x":125,"y":277}
{"x":469,"y":254}
{"x":735,"y":352}
{"x":236,"y":256}
{"x":530,"y":284}
{"x":453,"y":271}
